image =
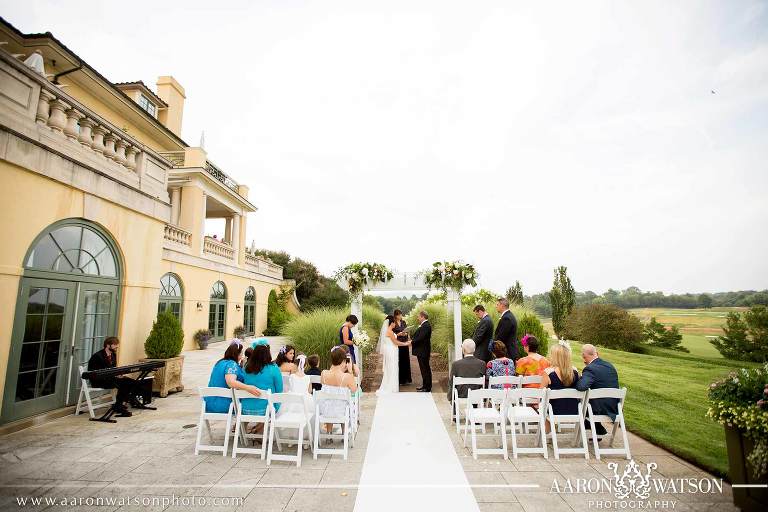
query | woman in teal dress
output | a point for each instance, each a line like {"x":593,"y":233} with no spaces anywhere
{"x":261,"y":373}
{"x":227,"y":373}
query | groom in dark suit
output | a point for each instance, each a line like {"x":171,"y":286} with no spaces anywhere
{"x":506,"y":329}
{"x":421,"y":346}
{"x":483,"y":334}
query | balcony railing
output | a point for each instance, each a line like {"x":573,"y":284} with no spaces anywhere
{"x":177,"y":159}
{"x":211,"y":246}
{"x":177,"y":235}
{"x":67,"y":118}
{"x":263,"y":266}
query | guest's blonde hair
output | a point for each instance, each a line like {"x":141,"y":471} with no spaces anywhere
{"x":560,"y":357}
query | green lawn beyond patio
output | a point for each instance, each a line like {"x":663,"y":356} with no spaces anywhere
{"x":667,"y":401}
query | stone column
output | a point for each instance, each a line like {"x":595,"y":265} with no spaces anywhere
{"x":70,"y":130}
{"x":236,"y":236}
{"x":86,"y":135}
{"x":58,"y":119}
{"x":44,"y":107}
{"x":202,"y":224}
{"x":109,"y":145}
{"x":228,"y":230}
{"x":98,"y":138}
{"x":175,"y":200}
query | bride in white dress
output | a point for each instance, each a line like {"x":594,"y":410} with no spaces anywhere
{"x":387,"y":347}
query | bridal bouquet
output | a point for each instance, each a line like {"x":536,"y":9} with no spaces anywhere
{"x":363,"y":341}
{"x":453,"y":275}
{"x":358,"y":275}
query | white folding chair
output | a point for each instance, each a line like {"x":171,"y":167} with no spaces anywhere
{"x":103,"y":397}
{"x":510,"y":381}
{"x":315,"y":379}
{"x":530,"y":379}
{"x":480,"y":411}
{"x":576,"y":420}
{"x":458,"y":405}
{"x":286,"y":381}
{"x":521,"y":412}
{"x":293,"y":415}
{"x":242,"y":420}
{"x":207,"y":417}
{"x":618,"y":422}
{"x":344,"y":420}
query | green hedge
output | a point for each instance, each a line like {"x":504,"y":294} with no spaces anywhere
{"x":317,"y":331}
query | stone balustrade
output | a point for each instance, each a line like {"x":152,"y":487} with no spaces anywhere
{"x":263,"y":266}
{"x":63,"y":115}
{"x":211,"y":246}
{"x":177,"y":235}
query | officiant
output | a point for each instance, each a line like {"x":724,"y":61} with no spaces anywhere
{"x":403,"y":353}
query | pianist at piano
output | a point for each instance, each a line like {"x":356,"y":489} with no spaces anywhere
{"x":107,"y":358}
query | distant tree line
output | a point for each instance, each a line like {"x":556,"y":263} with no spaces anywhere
{"x":633,"y":297}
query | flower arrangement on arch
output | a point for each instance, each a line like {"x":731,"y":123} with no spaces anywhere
{"x":452,"y":275}
{"x":741,"y":400}
{"x":358,"y":275}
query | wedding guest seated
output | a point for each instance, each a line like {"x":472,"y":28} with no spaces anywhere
{"x":285,"y":361}
{"x":598,"y":373}
{"x":336,"y":381}
{"x":313,"y":362}
{"x":227,"y":373}
{"x":107,"y":358}
{"x":248,"y":352}
{"x":561,"y":375}
{"x":533,"y":363}
{"x":501,"y":365}
{"x":352,"y":366}
{"x":468,"y":366}
{"x":261,"y":373}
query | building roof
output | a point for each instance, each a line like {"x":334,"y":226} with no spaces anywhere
{"x":143,"y":88}
{"x":81,"y":62}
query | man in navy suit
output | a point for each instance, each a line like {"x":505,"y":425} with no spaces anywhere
{"x":598,"y":373}
{"x":483,"y":335}
{"x":506,"y":329}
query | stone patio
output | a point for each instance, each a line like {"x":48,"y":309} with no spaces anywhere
{"x":152,"y":455}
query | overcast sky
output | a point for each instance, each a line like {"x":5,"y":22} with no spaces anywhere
{"x":517,"y":137}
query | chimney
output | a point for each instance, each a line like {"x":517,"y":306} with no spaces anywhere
{"x":172,"y":93}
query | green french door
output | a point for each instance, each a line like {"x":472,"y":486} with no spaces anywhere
{"x":96,"y":320}
{"x":217,"y":313}
{"x":37,"y":376}
{"x":67,"y":304}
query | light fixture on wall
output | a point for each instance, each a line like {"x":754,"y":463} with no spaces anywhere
{"x":237,"y":307}
{"x":199,"y":306}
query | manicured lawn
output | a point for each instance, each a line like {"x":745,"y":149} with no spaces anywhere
{"x":667,"y":401}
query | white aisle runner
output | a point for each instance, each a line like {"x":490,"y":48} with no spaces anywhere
{"x":410,"y":463}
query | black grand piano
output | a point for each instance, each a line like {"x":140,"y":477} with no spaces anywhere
{"x":143,"y":369}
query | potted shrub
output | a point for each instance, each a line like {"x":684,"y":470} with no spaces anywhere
{"x":739,"y":402}
{"x":201,"y":337}
{"x":239,"y":332}
{"x":165,"y":342}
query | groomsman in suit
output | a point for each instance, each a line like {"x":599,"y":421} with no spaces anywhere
{"x":483,"y":335}
{"x":506,"y":329}
{"x":421,"y":346}
{"x":403,"y":354}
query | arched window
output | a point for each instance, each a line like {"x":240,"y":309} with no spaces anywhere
{"x":73,"y":249}
{"x":249,"y":310}
{"x":171,"y":295}
{"x":217,"y":311}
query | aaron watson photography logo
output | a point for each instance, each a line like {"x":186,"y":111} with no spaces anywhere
{"x":634,"y":487}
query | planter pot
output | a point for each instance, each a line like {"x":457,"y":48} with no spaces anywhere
{"x":168,"y":379}
{"x":739,"y":447}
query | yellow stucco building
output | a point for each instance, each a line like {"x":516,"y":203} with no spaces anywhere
{"x":104,"y":224}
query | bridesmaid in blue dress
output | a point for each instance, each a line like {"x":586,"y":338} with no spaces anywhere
{"x":227,"y":373}
{"x":346,"y":336}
